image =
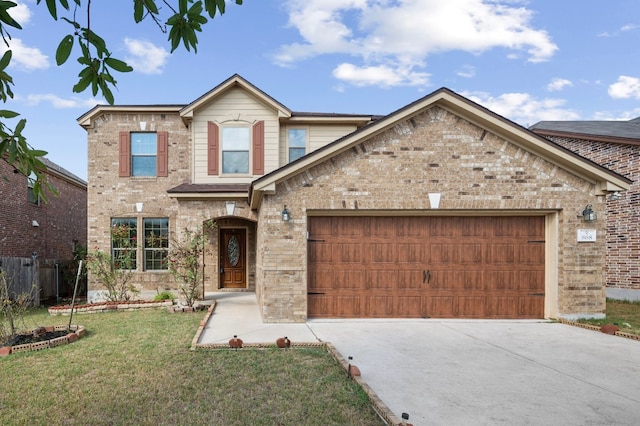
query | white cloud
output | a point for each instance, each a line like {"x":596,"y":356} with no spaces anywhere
{"x":629,"y":27}
{"x":21,"y":13}
{"x":466,"y":71}
{"x":626,"y":87}
{"x":25,"y":57}
{"x":402,"y":34}
{"x":380,"y":75}
{"x":558,"y":84}
{"x":145,"y":57}
{"x":523,"y":108}
{"x":60,"y":103}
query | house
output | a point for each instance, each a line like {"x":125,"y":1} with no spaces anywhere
{"x":615,"y":145}
{"x":47,"y":232}
{"x":440,"y":209}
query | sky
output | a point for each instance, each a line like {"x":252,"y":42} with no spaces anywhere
{"x":527,"y":60}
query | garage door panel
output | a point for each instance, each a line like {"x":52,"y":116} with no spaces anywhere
{"x":382,"y":253}
{"x":440,"y":307}
{"x":501,"y":306}
{"x":349,"y":279}
{"x":410,"y":307}
{"x":381,"y":307}
{"x":501,"y":280}
{"x":348,"y":252}
{"x":470,"y":307}
{"x":444,"y":267}
{"x":349,"y":306}
{"x":321,"y":305}
{"x":411,"y":279}
{"x":529,"y":307}
{"x":320,"y":279}
{"x":412,"y":253}
{"x":381,"y":279}
{"x":320,"y":253}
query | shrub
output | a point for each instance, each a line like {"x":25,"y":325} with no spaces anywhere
{"x":164,"y":295}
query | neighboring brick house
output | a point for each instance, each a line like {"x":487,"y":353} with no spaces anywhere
{"x":48,"y":229}
{"x":615,"y":145}
{"x":440,"y":209}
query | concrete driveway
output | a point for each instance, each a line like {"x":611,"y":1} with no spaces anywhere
{"x":458,"y":372}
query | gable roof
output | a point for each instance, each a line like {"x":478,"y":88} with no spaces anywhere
{"x":234,"y":81}
{"x":604,"y":179}
{"x":625,"y":132}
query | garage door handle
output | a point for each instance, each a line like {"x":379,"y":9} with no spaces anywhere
{"x":426,"y":276}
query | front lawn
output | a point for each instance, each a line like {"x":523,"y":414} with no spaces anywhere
{"x":136,"y":368}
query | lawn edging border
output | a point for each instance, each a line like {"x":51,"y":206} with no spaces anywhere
{"x":75,"y":332}
{"x":91,"y":308}
{"x":599,"y":329}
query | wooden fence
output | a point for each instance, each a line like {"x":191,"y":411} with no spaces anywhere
{"x":23,"y":274}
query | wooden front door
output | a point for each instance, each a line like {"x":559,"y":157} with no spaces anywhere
{"x":233,"y":255}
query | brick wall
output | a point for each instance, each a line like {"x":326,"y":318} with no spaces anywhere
{"x":61,"y":221}
{"x":111,"y":196}
{"x":475,"y":171}
{"x":623,"y":215}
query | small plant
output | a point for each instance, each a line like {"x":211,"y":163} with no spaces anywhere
{"x":164,"y":295}
{"x":12,"y":309}
{"x":185,"y":262}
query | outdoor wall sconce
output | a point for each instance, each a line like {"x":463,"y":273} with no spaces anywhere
{"x":231,"y":207}
{"x":35,"y":223}
{"x":139,"y":207}
{"x":615,"y":196}
{"x":588,"y":215}
{"x":286,"y":215}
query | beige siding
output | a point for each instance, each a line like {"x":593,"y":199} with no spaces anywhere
{"x":319,"y":135}
{"x":239,"y":107}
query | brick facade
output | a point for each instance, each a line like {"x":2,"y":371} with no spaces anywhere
{"x":475,"y":171}
{"x":61,"y":221}
{"x":623,"y":238}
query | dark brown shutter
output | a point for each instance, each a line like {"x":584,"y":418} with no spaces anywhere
{"x":258,"y":148}
{"x":213,"y":142}
{"x":125,"y":155}
{"x":162,"y":156}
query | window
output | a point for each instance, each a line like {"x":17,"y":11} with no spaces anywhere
{"x":235,"y":150}
{"x":124,"y":242}
{"x":143,"y":154}
{"x":31,"y":195}
{"x":156,"y":243}
{"x":297,"y":143}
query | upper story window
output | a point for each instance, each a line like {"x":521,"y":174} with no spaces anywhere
{"x":31,"y":195}
{"x":236,"y":143}
{"x":235,"y":148}
{"x":144,"y":149}
{"x":297,"y":140}
{"x":144,"y":154}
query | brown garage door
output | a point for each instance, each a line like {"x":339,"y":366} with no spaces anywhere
{"x":418,"y":267}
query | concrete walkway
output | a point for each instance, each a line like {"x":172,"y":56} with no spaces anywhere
{"x":459,"y":372}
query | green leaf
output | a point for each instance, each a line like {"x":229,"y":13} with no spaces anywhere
{"x":5,"y":113}
{"x":118,"y":65}
{"x":51,"y":5}
{"x":138,"y":10}
{"x":64,"y":49}
{"x":6,"y":59}
{"x":74,"y":23}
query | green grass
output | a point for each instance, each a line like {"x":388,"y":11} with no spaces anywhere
{"x":621,"y":313}
{"x":136,"y":368}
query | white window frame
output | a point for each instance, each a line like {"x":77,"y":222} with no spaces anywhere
{"x":249,"y":151}
{"x":306,"y":142}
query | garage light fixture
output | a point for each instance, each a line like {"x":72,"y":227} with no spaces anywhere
{"x":231,"y":207}
{"x":588,"y":215}
{"x":286,"y":215}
